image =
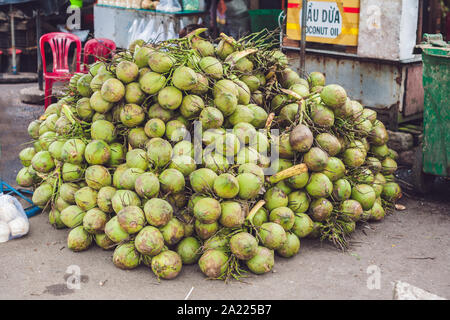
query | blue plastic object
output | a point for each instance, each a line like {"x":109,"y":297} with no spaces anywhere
{"x":24,"y":194}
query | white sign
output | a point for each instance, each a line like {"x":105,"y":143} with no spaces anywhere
{"x":324,"y":20}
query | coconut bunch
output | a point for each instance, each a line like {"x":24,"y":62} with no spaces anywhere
{"x":217,"y":153}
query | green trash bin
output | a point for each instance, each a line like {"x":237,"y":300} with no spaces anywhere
{"x":264,"y":18}
{"x":433,"y":159}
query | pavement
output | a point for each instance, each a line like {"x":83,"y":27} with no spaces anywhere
{"x":409,"y":246}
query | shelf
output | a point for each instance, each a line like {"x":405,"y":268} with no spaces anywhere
{"x":185,"y":13}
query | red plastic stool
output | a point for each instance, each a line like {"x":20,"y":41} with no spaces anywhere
{"x":100,"y":48}
{"x":59,"y":43}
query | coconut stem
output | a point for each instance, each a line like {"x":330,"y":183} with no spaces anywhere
{"x":255,"y":209}
{"x":289,"y":172}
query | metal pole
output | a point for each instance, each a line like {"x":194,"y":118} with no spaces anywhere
{"x":303,"y":39}
{"x":39,"y":58}
{"x":13,"y":42}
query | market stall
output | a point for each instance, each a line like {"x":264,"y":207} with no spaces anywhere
{"x":365,"y":45}
{"x":125,"y":24}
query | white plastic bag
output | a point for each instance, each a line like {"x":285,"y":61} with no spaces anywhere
{"x":13,"y":219}
{"x":169,"y":6}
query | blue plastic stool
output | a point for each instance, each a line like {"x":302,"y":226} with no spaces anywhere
{"x":24,"y":194}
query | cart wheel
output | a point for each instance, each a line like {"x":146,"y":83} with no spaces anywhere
{"x":422,"y":181}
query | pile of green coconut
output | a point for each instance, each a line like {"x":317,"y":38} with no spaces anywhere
{"x":214,"y":153}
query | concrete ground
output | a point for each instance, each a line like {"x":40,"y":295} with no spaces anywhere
{"x":410,"y":246}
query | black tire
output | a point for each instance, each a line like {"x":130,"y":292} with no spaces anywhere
{"x":423,"y":182}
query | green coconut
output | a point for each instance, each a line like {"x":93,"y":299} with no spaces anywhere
{"x":283,"y":216}
{"x":225,"y":86}
{"x":298,"y":201}
{"x":351,"y":209}
{"x":97,"y":176}
{"x":249,"y":185}
{"x":42,"y":162}
{"x":114,"y":231}
{"x":301,"y":139}
{"x":79,"y":239}
{"x":26,"y":155}
{"x":364,"y":194}
{"x":142,"y":55}
{"x":316,"y":79}
{"x":211,"y":118}
{"x":173,"y":231}
{"x":319,"y":185}
{"x":147,"y":185}
{"x":72,"y":216}
{"x":152,"y":82}
{"x":207,"y":210}
{"x":86,"y":198}
{"x":205,"y":230}
{"x":159,"y":152}
{"x":391,"y":191}
{"x":33,"y":128}
{"x":124,"y":198}
{"x":377,"y":212}
{"x":335,"y":169}
{"x":149,"y":241}
{"x":262,"y":262}
{"x":211,"y":67}
{"x":244,"y":65}
{"x":155,"y":128}
{"x":216,"y":162}
{"x":189,"y":250}
{"x":303,"y":225}
{"x":226,"y":103}
{"x":158,"y":212}
{"x":134,"y":93}
{"x":320,"y":209}
{"x":213,"y":263}
{"x":275,"y":198}
{"x":117,"y":156}
{"x":73,"y":151}
{"x":42,"y":194}
{"x":272,"y":235}
{"x":166,"y":265}
{"x":202,"y":180}
{"x":333,"y":96}
{"x":241,"y":114}
{"x":99,"y":104}
{"x":170,"y":98}
{"x":126,"y":256}
{"x":184,"y":78}
{"x":54,"y":218}
{"x":94,"y":221}
{"x":259,"y":116}
{"x":341,"y":190}
{"x":291,"y":247}
{"x":83,"y":85}
{"x":160,"y":62}
{"x":131,"y":219}
{"x":243,"y":245}
{"x":226,"y":186}
{"x":132,"y":115}
{"x":191,"y":106}
{"x":176,"y":130}
{"x":104,"y":197}
{"x":112,"y":90}
{"x":103,"y":241}
{"x":316,"y":159}
{"x":245,"y":132}
{"x":261,"y":216}
{"x":232,"y":214}
{"x":202,"y":85}
{"x":97,"y":152}
{"x":354,"y":157}
{"x":24,"y":178}
{"x":171,"y":180}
